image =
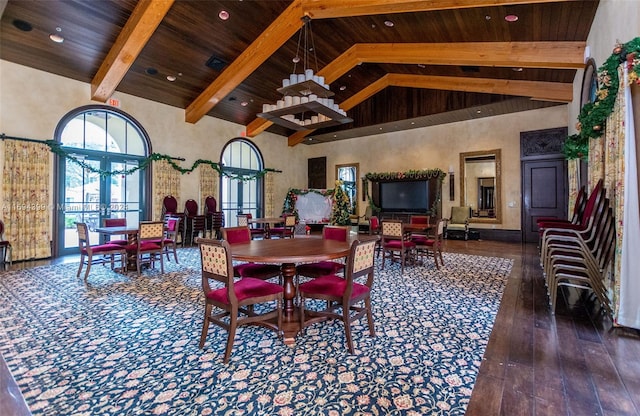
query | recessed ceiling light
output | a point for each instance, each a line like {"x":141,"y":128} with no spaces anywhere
{"x":223,"y":15}
{"x":487,"y":17}
{"x":422,"y":66}
{"x":511,"y":18}
{"x":244,"y":103}
{"x":388,"y":23}
{"x":56,"y":38}
{"x":296,"y":59}
{"x":343,"y":87}
{"x":171,"y":78}
{"x":478,"y":111}
{"x":517,"y":69}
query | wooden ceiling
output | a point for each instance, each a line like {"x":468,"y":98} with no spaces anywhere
{"x":437,"y":57}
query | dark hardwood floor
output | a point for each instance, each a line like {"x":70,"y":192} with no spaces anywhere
{"x":573,"y":363}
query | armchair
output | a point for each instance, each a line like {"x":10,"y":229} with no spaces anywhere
{"x":458,"y":224}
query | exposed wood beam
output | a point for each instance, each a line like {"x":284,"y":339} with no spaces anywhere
{"x":325,"y":9}
{"x":289,"y":22}
{"x":559,"y":55}
{"x":144,"y":20}
{"x":548,"y":91}
{"x":538,"y":90}
{"x":568,"y":55}
{"x":280,"y":31}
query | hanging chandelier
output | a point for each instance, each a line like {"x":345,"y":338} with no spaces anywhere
{"x":306,"y":100}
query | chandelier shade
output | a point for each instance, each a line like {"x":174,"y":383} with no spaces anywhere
{"x":306,"y":100}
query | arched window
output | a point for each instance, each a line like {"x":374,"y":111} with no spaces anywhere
{"x":241,"y":157}
{"x":103,"y":139}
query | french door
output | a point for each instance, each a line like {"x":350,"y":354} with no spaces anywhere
{"x":90,"y":197}
{"x":240,"y":197}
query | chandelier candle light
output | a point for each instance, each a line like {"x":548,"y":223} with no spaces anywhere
{"x":306,"y":102}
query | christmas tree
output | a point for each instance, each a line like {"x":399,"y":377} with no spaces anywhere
{"x":341,"y":209}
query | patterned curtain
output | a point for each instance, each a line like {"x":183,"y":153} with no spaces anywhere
{"x":166,"y":181}
{"x":268,"y":194}
{"x":620,"y":180}
{"x":573,"y":167}
{"x":209,"y":179}
{"x":25,"y":186}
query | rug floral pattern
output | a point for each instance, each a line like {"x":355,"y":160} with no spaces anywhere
{"x":128,"y":345}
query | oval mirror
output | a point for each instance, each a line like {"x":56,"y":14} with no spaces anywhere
{"x":480,"y":185}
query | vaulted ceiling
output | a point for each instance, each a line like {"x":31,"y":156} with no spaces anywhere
{"x":393,"y":65}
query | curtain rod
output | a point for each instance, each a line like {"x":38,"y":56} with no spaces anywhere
{"x":24,"y":139}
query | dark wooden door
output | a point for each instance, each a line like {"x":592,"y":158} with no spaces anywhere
{"x":544,"y":194}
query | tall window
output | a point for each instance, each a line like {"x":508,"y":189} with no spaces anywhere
{"x":103,"y":140}
{"x":241,"y":157}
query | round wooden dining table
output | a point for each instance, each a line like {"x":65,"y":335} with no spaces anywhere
{"x":288,"y":252}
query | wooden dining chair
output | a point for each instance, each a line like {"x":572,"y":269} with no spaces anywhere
{"x":240,"y":235}
{"x":236,"y":299}
{"x":116,"y":222}
{"x":344,"y":293}
{"x":287,"y":230}
{"x":396,"y":243}
{"x":97,"y":254}
{"x":243,"y":220}
{"x":430,"y":245}
{"x":171,"y":233}
{"x":149,"y":245}
{"x":324,"y":268}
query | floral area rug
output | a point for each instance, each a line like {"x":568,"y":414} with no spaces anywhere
{"x":128,"y":345}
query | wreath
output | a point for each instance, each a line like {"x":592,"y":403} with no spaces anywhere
{"x":593,"y":116}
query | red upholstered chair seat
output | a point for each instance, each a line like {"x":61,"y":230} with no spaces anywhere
{"x":397,"y":244}
{"x":246,"y":288}
{"x":422,"y":240}
{"x":331,"y":286}
{"x":144,"y":246}
{"x":103,"y":248}
{"x":321,"y":268}
{"x":256,"y":270}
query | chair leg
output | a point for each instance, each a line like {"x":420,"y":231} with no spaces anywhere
{"x":233,"y":322}
{"x":80,"y":266}
{"x":175,"y":253}
{"x":301,"y":310}
{"x":367,"y":303}
{"x":347,"y":327}
{"x":205,"y":325}
{"x":89,"y":261}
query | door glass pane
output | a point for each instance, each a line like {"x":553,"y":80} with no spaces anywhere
{"x":124,"y":194}
{"x":81,"y":201}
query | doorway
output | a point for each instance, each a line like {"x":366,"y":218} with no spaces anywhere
{"x":98,"y":173}
{"x":241,"y":158}
{"x":544,"y":179}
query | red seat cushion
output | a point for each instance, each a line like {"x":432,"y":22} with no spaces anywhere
{"x":118,"y":242}
{"x":422,"y":241}
{"x":321,"y":268}
{"x":332,"y":286}
{"x":146,"y":246}
{"x":398,"y":244}
{"x":256,"y":270}
{"x":103,"y":248}
{"x":246,"y":288}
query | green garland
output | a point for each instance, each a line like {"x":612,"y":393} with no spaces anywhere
{"x":424,"y":174}
{"x":593,"y":116}
{"x":57,"y":149}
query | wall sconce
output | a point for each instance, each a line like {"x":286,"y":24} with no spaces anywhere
{"x":452,"y":189}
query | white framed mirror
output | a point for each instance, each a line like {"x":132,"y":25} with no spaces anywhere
{"x":480,"y":185}
{"x":348,"y":174}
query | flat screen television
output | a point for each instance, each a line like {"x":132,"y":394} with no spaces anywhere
{"x":404,"y":196}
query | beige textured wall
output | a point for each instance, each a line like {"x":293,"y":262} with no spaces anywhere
{"x":440,"y":147}
{"x":32,"y":102}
